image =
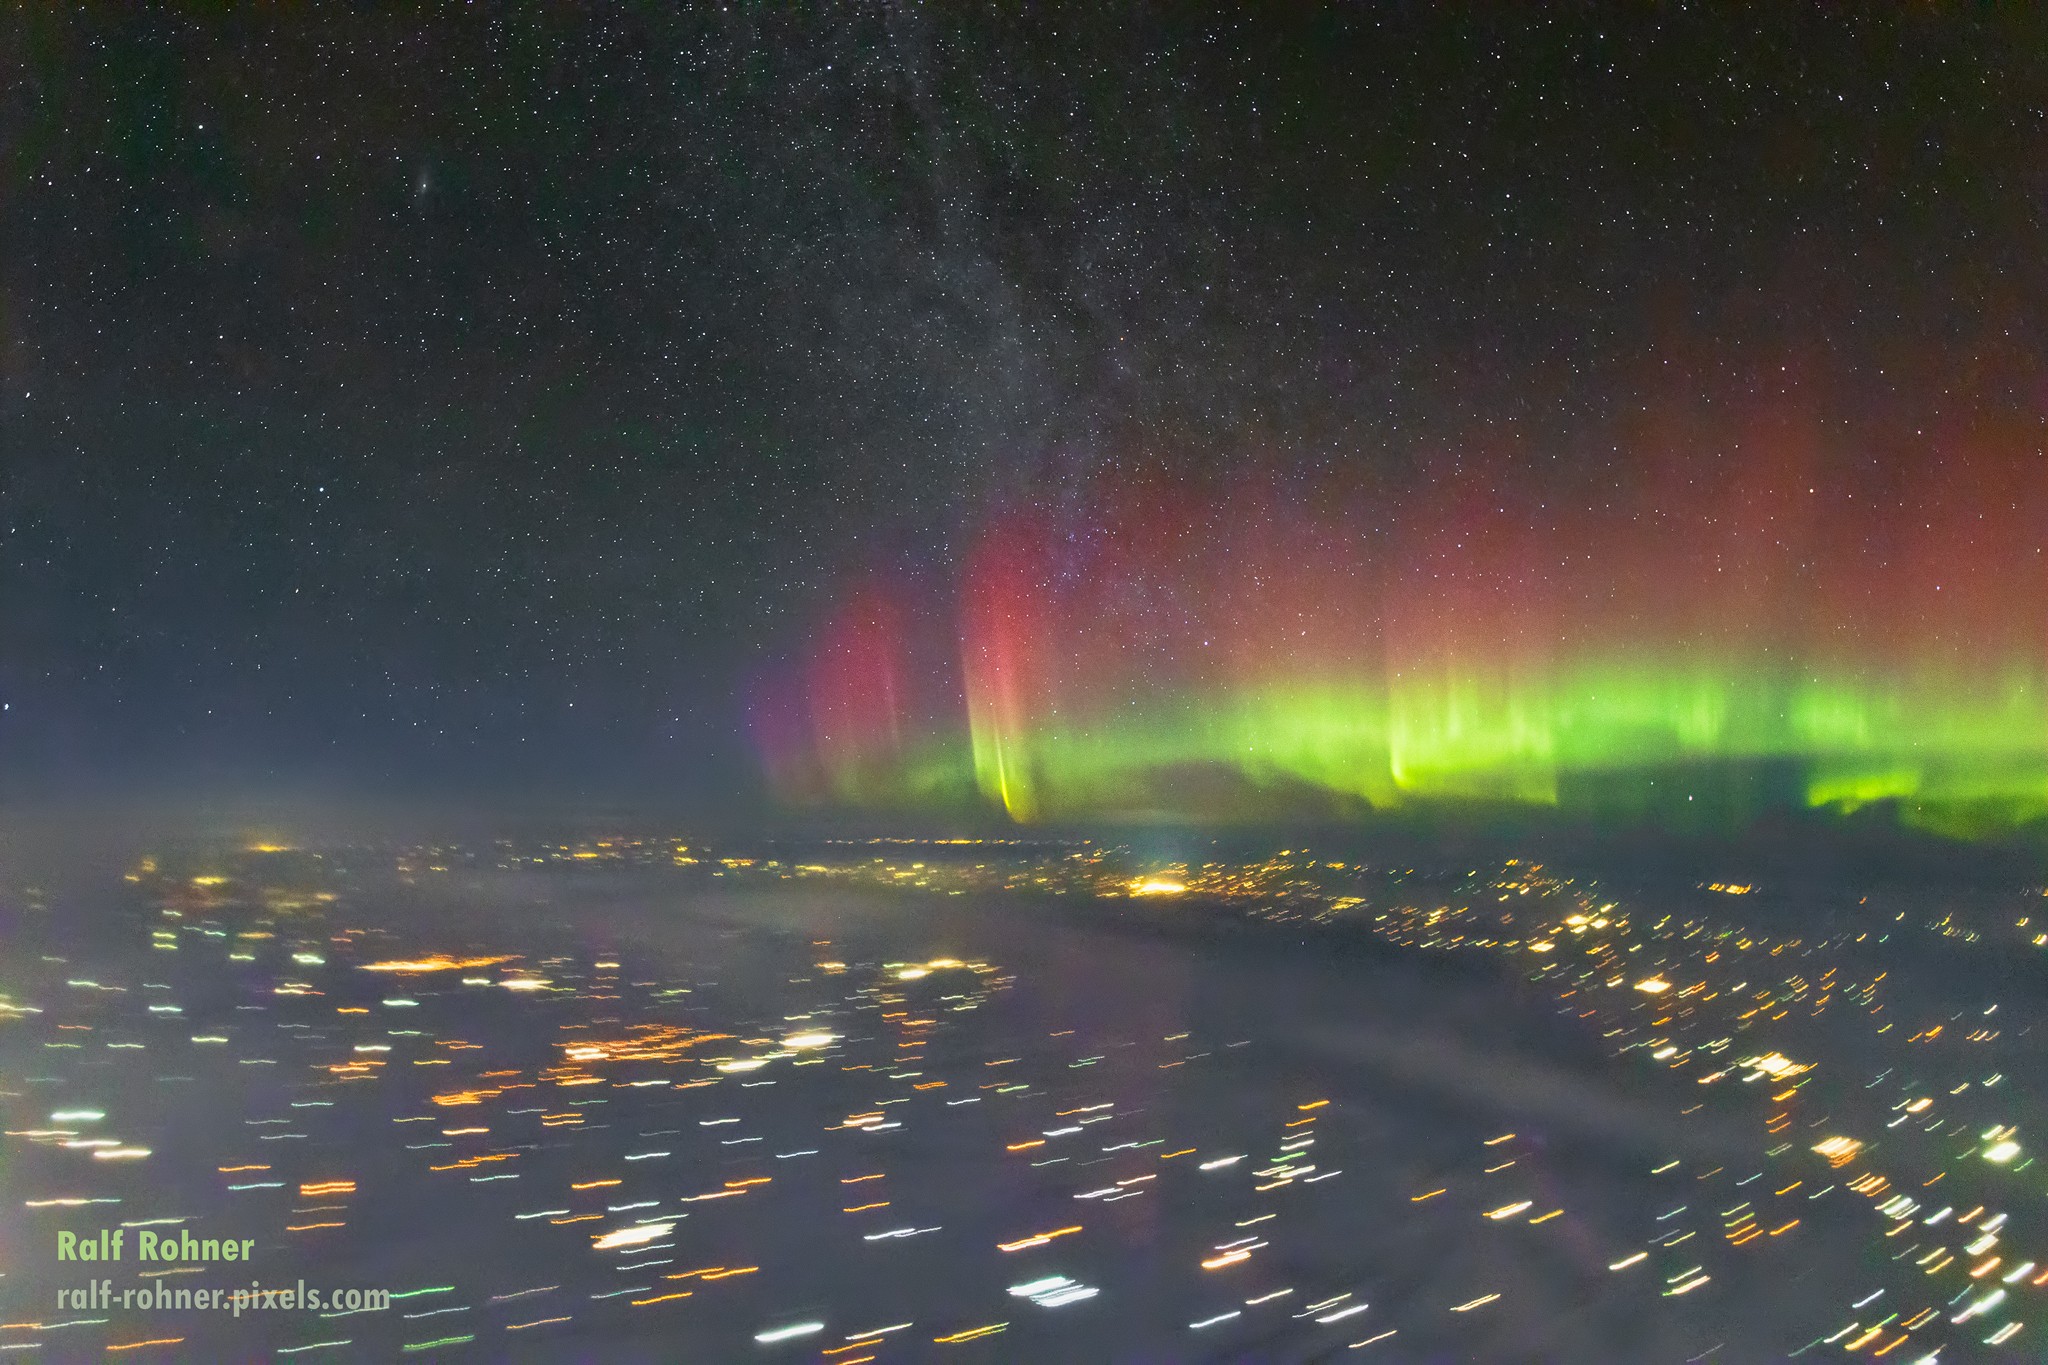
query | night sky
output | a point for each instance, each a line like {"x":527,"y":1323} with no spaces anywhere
{"x":459,"y":405}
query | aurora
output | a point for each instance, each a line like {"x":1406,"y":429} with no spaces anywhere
{"x":1789,"y":636}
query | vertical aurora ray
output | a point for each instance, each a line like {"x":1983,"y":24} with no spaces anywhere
{"x":1794,"y":636}
{"x":1004,"y":628}
{"x":856,"y":690}
{"x":853,"y":720}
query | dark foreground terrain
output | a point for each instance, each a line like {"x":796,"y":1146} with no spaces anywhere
{"x":612,"y":1117}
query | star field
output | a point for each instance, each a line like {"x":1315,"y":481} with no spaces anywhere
{"x":476,"y":403}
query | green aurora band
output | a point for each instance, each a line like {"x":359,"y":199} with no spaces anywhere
{"x":1689,"y":748}
{"x":1232,"y":661}
{"x":1966,"y":763}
